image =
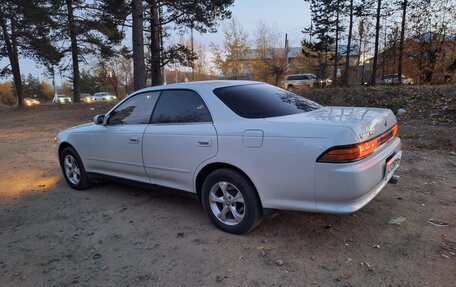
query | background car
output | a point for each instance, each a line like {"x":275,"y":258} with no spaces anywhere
{"x":29,"y":102}
{"x":391,"y":79}
{"x":61,"y":99}
{"x":297,"y":81}
{"x":104,"y":96}
{"x":87,"y":98}
{"x":243,"y":148}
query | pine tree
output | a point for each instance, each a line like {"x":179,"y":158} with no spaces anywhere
{"x":377,"y":35}
{"x":349,"y":39}
{"x":322,"y":31}
{"x":199,"y":15}
{"x":26,"y":31}
{"x":139,"y":69}
{"x":401,"y":41}
{"x":90,"y":28}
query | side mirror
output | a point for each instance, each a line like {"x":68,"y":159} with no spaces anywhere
{"x":98,"y":119}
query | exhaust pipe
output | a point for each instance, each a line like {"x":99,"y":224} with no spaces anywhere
{"x":394,"y":179}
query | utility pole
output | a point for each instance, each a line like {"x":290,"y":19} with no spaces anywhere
{"x":286,"y":47}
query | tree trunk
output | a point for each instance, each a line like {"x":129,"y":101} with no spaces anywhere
{"x":377,"y":35}
{"x":155,"y":44}
{"x":11,"y":48}
{"x":347,"y":57}
{"x":336,"y":59}
{"x":401,"y":42}
{"x":359,"y":56}
{"x":139,"y":68}
{"x":74,"y":51}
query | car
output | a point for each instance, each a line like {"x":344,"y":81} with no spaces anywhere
{"x":87,"y":98}
{"x":244,"y":149}
{"x":61,"y":99}
{"x":325,"y":82}
{"x":104,"y":96}
{"x":293,"y":82}
{"x":29,"y":102}
{"x":392,"y":79}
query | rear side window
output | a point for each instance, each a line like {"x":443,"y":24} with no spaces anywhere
{"x":299,"y":77}
{"x":134,"y":111}
{"x":180,"y":106}
{"x":263,"y":101}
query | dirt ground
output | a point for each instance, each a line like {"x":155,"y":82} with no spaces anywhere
{"x":119,"y":235}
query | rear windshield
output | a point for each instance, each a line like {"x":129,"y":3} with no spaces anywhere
{"x":263,"y":101}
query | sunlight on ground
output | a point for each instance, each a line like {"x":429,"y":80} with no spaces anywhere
{"x":14,"y":185}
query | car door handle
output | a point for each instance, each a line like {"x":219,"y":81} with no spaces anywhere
{"x":133,"y":140}
{"x":204,"y":143}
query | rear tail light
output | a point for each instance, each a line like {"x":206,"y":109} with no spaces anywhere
{"x":356,"y":152}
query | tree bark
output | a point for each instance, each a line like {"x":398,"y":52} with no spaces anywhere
{"x":336,"y":59}
{"x":377,"y":35}
{"x":347,"y":57}
{"x":361,"y":33}
{"x":11,"y":48}
{"x":139,"y":68}
{"x":74,"y":51}
{"x":155,"y":44}
{"x":401,"y":42}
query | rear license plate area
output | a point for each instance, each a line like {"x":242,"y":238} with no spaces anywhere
{"x":391,"y":165}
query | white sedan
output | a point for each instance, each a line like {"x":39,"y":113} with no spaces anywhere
{"x":242,"y":148}
{"x":104,"y":96}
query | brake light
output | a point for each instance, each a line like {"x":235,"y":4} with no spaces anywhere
{"x":395,"y":130}
{"x":350,"y":153}
{"x":358,"y":151}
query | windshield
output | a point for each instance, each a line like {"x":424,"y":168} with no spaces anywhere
{"x":263,"y":101}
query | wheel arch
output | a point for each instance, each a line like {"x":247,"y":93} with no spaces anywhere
{"x":211,"y":167}
{"x":62,"y":146}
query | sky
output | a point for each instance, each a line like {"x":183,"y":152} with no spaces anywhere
{"x":290,"y":16}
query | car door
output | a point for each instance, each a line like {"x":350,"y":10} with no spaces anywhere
{"x":180,"y":137}
{"x":116,"y":146}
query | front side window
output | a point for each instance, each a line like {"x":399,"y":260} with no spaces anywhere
{"x":263,"y":101}
{"x":135,"y":111}
{"x":180,"y":106}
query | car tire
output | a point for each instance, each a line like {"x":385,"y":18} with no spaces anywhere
{"x":73,"y":169}
{"x":231,"y":201}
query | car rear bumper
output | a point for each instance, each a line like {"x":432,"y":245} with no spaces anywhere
{"x":345,"y":188}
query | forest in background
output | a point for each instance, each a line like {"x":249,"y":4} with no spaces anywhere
{"x":352,"y":42}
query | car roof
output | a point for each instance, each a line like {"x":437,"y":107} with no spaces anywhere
{"x":213,"y":84}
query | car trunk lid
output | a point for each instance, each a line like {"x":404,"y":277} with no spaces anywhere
{"x":367,"y":123}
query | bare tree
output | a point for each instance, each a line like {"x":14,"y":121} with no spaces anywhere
{"x":336,"y":53}
{"x":269,"y":59}
{"x":231,"y":59}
